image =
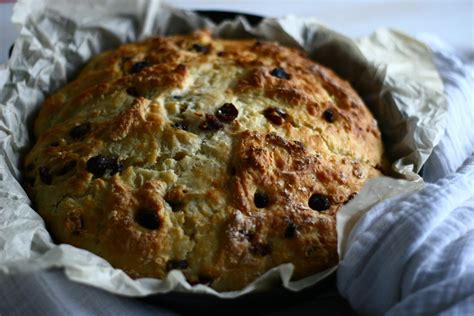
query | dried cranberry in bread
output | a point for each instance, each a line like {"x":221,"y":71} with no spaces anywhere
{"x":221,"y":158}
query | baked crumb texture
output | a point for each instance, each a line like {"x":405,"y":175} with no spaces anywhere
{"x":221,"y":158}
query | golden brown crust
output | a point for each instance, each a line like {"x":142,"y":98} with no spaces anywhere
{"x":222,"y":158}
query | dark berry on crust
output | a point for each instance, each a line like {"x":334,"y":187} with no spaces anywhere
{"x":329,"y":115}
{"x":137,"y":67}
{"x":319,"y":202}
{"x":227,"y":113}
{"x":97,"y":165}
{"x":280,"y":73}
{"x":148,"y":218}
{"x":79,"y":131}
{"x":261,"y":199}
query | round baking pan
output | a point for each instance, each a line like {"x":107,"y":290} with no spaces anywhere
{"x":321,"y":298}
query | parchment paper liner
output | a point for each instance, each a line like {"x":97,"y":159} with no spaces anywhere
{"x":391,"y":71}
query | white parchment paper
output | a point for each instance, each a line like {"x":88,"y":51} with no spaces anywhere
{"x":392,"y":72}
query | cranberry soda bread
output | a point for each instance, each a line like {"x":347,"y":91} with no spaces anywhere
{"x":220,"y":158}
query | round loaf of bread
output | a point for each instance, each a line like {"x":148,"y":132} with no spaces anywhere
{"x":220,"y":158}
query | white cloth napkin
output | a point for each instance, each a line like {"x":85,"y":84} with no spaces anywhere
{"x":414,"y":255}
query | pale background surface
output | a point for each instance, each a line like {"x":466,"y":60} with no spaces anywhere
{"x":451,"y":20}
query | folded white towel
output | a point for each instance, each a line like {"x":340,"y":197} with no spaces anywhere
{"x":414,"y":255}
{"x":458,"y":140}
